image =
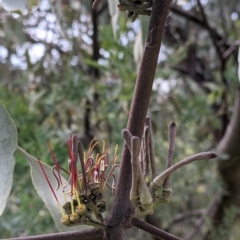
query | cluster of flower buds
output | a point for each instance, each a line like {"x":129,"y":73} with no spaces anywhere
{"x":86,"y":196}
{"x":144,"y":188}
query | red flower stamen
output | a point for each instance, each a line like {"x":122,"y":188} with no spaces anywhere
{"x":46,"y":177}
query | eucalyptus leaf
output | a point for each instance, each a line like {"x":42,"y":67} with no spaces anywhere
{"x":44,"y":191}
{"x":144,"y":27}
{"x":140,"y":40}
{"x":8,"y":145}
{"x":113,"y":11}
{"x":19,"y":5}
{"x":138,"y":47}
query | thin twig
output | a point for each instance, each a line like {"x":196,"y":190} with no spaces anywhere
{"x":135,"y":149}
{"x":231,"y":48}
{"x":145,"y":196}
{"x":171,"y":141}
{"x":193,"y":18}
{"x":197,"y":213}
{"x":146,"y":151}
{"x":151,"y":151}
{"x":153,"y":230}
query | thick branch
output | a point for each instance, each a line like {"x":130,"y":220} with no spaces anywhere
{"x":122,"y":206}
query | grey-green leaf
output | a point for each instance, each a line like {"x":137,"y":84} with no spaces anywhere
{"x":12,"y":5}
{"x":8,"y":145}
{"x":44,"y":191}
{"x":113,"y":11}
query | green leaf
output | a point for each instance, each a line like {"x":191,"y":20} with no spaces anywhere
{"x":8,"y":145}
{"x":44,"y":191}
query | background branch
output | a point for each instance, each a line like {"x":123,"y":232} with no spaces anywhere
{"x":211,"y":34}
{"x":208,"y":213}
{"x":185,"y":14}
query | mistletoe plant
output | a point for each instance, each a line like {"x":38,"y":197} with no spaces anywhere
{"x":80,"y":199}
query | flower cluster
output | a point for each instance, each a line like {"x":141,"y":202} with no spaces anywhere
{"x":87,"y":202}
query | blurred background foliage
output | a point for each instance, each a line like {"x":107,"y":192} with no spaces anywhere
{"x":64,"y":71}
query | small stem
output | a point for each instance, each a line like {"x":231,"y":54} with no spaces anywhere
{"x":200,"y":156}
{"x":145,"y":196}
{"x":171,"y":139}
{"x":151,"y":152}
{"x":135,"y":148}
{"x":146,"y":152}
{"x":141,"y":156}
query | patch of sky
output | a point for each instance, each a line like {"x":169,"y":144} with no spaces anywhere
{"x":104,"y":53}
{"x":74,"y":61}
{"x":3,"y":53}
{"x":36,"y":52}
{"x":18,"y":61}
{"x":234,"y":16}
